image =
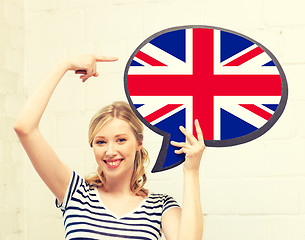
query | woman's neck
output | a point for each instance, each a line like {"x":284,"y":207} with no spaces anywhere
{"x":118,"y":187}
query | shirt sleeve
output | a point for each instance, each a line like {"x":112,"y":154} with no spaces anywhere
{"x":73,"y":184}
{"x":169,"y":202}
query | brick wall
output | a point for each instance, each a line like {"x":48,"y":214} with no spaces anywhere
{"x":251,"y":191}
{"x":12,"y":197}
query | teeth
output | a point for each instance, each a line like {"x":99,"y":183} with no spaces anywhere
{"x":113,"y":163}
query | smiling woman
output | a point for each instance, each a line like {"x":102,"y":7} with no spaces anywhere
{"x":112,"y":130}
{"x":116,"y":136}
{"x":113,"y":204}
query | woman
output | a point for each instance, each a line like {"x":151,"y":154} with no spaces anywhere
{"x":111,"y":205}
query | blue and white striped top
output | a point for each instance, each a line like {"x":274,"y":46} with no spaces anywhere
{"x":86,"y":217}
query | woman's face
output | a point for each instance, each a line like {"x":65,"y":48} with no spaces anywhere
{"x":115,"y":147}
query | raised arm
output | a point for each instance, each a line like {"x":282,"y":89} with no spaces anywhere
{"x":50,"y":168}
{"x":188,"y":222}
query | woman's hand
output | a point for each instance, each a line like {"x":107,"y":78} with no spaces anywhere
{"x":193,"y":148}
{"x":190,"y":224}
{"x":86,"y":64}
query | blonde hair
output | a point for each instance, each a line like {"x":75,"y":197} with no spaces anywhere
{"x":121,"y":110}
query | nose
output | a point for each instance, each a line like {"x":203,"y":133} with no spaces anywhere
{"x":111,"y":151}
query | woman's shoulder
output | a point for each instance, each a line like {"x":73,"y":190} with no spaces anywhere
{"x":159,"y":197}
{"x":79,"y":183}
{"x":158,"y":194}
{"x":162,"y":200}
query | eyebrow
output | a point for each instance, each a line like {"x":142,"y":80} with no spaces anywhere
{"x":118,"y":135}
{"x":99,"y":137}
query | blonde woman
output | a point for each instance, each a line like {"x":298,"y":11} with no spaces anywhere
{"x":113,"y":204}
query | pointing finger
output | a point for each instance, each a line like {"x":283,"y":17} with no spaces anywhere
{"x":105,"y":59}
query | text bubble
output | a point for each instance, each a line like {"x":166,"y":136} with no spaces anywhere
{"x":232,"y":84}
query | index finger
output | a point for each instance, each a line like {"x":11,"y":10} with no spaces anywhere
{"x":190,"y":137}
{"x":105,"y":59}
{"x":199,"y":132}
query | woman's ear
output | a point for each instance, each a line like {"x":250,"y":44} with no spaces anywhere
{"x":140,"y":144}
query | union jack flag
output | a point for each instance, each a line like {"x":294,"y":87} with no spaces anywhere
{"x":227,"y":82}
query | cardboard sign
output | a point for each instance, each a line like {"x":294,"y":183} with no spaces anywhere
{"x":232,"y":84}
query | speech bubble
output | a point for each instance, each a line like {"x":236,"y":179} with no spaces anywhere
{"x":232,"y":84}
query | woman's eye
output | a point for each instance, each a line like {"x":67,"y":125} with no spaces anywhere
{"x":121,"y":140}
{"x":100,"y":142}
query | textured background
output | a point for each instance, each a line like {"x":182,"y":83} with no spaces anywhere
{"x":251,"y":191}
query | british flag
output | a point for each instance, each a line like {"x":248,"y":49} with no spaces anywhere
{"x":229,"y":83}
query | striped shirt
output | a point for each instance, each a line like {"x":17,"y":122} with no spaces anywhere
{"x":86,"y":217}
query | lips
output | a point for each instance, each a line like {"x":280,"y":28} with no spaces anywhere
{"x":113,"y":163}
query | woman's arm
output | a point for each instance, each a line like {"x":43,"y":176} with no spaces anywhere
{"x":188,"y":222}
{"x":53,"y":172}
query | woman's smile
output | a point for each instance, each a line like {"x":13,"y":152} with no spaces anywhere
{"x":113,"y":163}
